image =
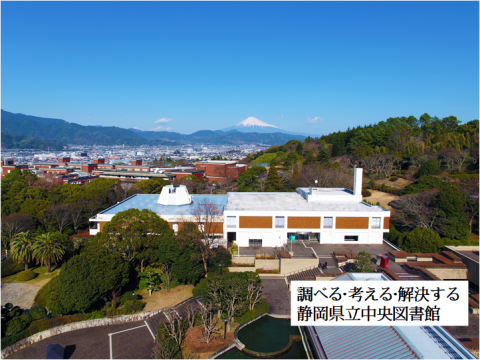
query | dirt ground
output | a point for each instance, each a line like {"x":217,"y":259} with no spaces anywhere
{"x":399,"y":184}
{"x":196,"y":348}
{"x":382,"y":198}
{"x":18,"y":294}
{"x":161,"y":299}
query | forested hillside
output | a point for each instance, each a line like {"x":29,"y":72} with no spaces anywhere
{"x":437,"y":157}
{"x":10,"y":141}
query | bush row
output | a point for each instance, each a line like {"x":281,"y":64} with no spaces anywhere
{"x":10,"y":267}
{"x":261,"y":308}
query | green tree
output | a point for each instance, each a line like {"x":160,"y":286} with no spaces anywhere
{"x":134,"y":234}
{"x":421,"y":240}
{"x":181,"y":252}
{"x":246,"y":181}
{"x":430,"y":167}
{"x":322,"y":156}
{"x":299,"y":149}
{"x":88,"y":277}
{"x":150,"y":277}
{"x":151,"y":186}
{"x":363,"y":262}
{"x":48,"y":249}
{"x":22,"y":247}
{"x":273,"y":180}
{"x":450,"y":199}
{"x":291,"y":158}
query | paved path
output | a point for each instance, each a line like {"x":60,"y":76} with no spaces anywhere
{"x":19,"y":294}
{"x":93,"y":343}
{"x":277,"y":295}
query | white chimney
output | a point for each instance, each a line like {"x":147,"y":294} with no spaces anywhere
{"x":357,"y":182}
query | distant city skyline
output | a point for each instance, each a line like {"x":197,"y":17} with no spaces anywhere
{"x":309,"y":67}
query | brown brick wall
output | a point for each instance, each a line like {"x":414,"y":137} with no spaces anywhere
{"x":352,"y":223}
{"x":304,"y":222}
{"x":386,"y":223}
{"x":102,"y":223}
{"x":255,"y":222}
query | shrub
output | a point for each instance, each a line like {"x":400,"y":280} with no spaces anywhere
{"x":15,"y":311}
{"x":11,"y":267}
{"x":261,"y":271}
{"x":261,"y":308}
{"x":98,"y":314}
{"x":394,"y":178}
{"x":26,"y":275}
{"x":139,"y":305}
{"x":11,"y":340}
{"x":430,"y":167}
{"x":37,"y":312}
{"x":27,"y":318}
{"x":47,"y":297}
{"x":366,"y":193}
{"x":8,"y":306}
{"x":15,"y":325}
{"x":127,"y":298}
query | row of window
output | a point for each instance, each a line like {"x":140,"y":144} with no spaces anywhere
{"x":314,"y":237}
{"x":280,"y":222}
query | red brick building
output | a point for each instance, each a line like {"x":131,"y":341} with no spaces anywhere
{"x":221,"y":171}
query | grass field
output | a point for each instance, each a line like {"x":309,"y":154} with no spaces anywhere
{"x":382,"y":198}
{"x":40,"y":280}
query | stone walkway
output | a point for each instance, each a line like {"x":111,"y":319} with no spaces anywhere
{"x":18,"y":294}
{"x":277,"y":295}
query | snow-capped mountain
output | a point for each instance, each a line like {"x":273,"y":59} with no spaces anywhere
{"x":253,"y":121}
{"x":254,"y":125}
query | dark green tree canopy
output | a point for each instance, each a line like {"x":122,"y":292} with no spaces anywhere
{"x":430,"y":167}
{"x":421,"y":240}
{"x":273,"y":180}
{"x":87,"y":277}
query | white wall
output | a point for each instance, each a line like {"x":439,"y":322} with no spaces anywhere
{"x":278,"y":237}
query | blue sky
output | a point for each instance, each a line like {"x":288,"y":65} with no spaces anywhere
{"x":314,"y":67}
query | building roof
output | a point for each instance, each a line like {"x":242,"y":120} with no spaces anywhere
{"x":149,"y":201}
{"x":290,"y":201}
{"x":362,"y":342}
{"x":385,"y":342}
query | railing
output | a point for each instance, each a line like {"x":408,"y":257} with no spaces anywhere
{"x":301,"y":270}
{"x":391,"y":245}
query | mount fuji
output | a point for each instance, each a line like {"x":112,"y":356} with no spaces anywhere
{"x":254,"y":125}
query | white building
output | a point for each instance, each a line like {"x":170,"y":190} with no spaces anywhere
{"x":326,"y":215}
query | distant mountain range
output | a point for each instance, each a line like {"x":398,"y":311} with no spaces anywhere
{"x":11,"y":141}
{"x":71,"y":133}
{"x":252,"y":124}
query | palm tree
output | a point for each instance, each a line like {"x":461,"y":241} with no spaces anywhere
{"x":22,"y":247}
{"x":48,"y":250}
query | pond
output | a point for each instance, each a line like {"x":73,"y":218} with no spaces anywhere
{"x":268,"y":334}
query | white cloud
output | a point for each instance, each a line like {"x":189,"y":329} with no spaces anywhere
{"x":279,"y":117}
{"x":161,"y":128}
{"x":163,"y":120}
{"x":315,"y":120}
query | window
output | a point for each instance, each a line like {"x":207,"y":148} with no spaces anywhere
{"x":328,"y":222}
{"x":280,"y":222}
{"x":351,"y":238}
{"x":255,"y":242}
{"x":376,"y":223}
{"x":231,"y":221}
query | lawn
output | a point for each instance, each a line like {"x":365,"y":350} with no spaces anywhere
{"x":40,"y":280}
{"x":161,"y":299}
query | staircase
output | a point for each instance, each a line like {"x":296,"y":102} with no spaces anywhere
{"x":303,"y":274}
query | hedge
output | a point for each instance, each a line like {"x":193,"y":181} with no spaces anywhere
{"x":10,"y":267}
{"x":261,"y":308}
{"x":26,"y":275}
